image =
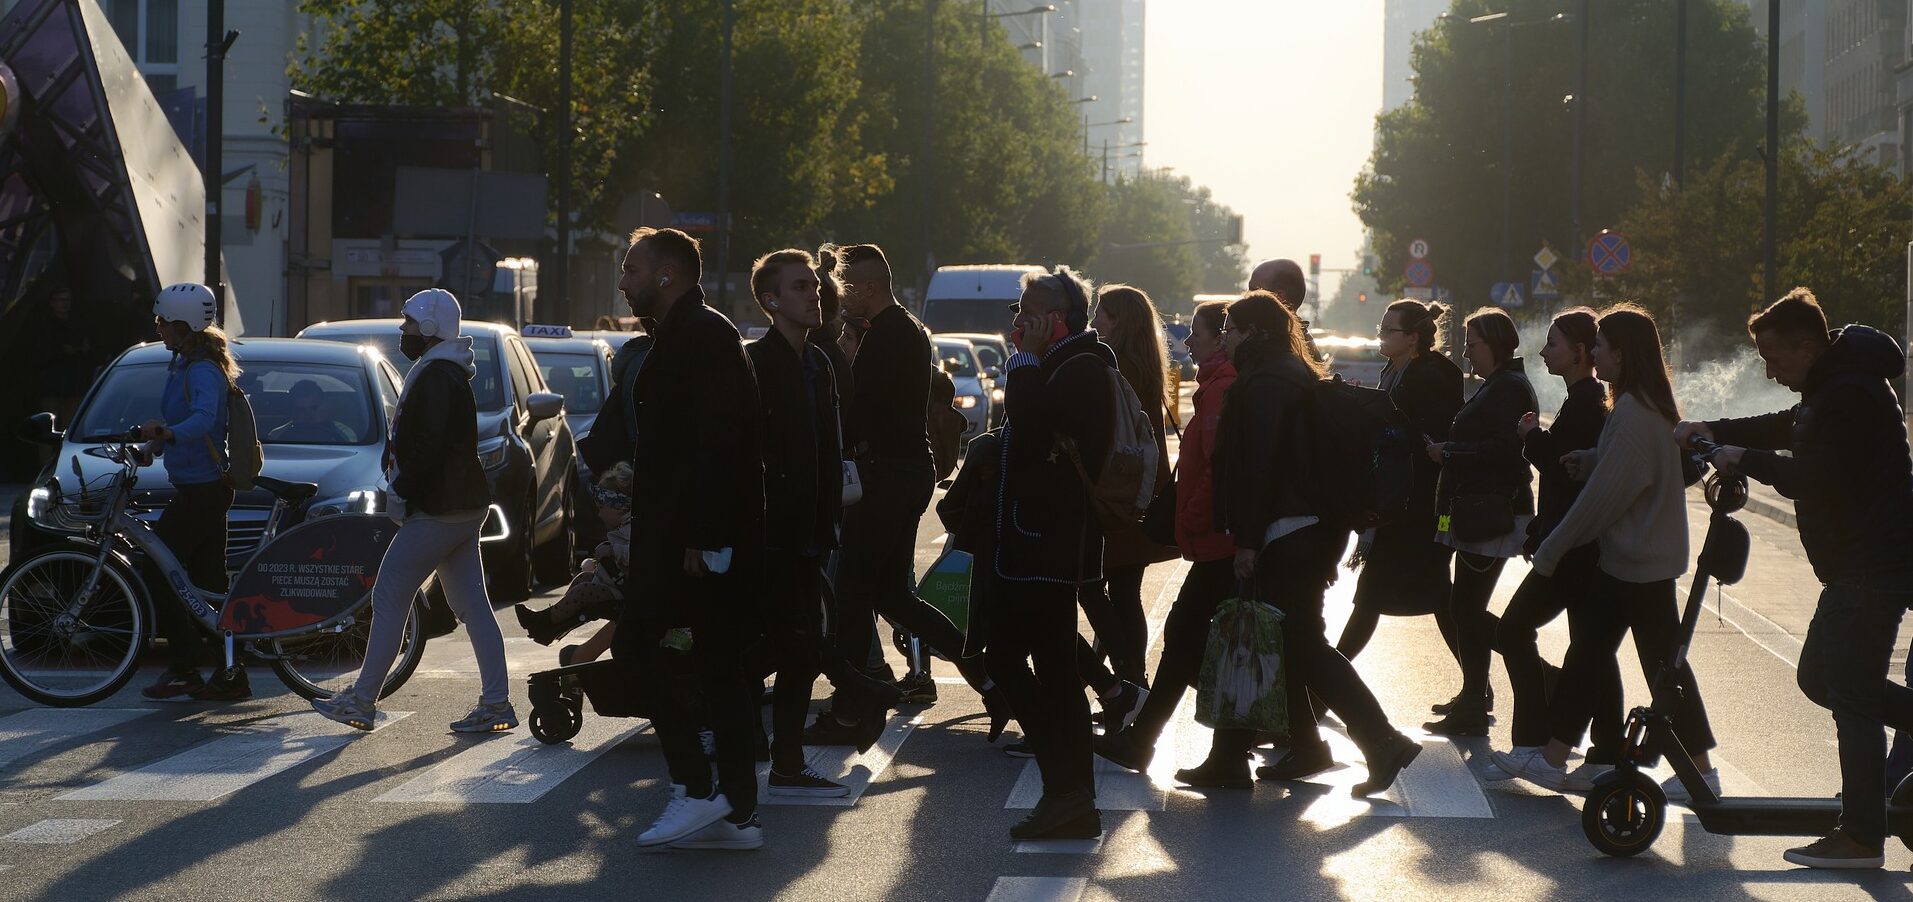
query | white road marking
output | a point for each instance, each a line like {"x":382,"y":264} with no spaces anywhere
{"x":843,"y":764}
{"x":59,"y":831}
{"x":29,"y":733}
{"x":216,"y":769}
{"x":513,"y":769}
{"x":1061,"y":846}
{"x":1038,"y":889}
{"x":1770,"y":636}
{"x":1438,"y":784}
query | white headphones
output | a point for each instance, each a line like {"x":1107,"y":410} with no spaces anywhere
{"x":664,"y":281}
{"x":774,"y":305}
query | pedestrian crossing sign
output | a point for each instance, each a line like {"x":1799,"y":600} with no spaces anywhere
{"x":1544,"y":286}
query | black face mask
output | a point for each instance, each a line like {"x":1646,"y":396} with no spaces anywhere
{"x":412,"y":346}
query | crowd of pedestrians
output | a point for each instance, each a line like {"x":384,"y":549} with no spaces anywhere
{"x":762,"y":500}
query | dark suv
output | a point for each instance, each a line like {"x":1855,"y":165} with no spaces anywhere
{"x":523,"y":442}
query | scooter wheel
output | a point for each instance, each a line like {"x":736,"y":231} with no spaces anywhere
{"x":1623,"y":817}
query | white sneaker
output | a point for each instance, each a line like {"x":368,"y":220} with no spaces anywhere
{"x":1678,"y":795}
{"x":723,"y":834}
{"x":1496,"y":772}
{"x":685,"y":816}
{"x":1583,"y":778}
{"x":1535,"y":769}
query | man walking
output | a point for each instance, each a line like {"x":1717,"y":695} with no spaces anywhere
{"x":696,"y":542}
{"x":1061,"y":422}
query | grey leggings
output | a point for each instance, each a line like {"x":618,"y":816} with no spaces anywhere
{"x":448,"y":545}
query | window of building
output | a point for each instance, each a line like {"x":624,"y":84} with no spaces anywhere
{"x":150,"y":31}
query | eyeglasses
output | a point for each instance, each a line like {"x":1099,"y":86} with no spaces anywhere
{"x":1382,"y":331}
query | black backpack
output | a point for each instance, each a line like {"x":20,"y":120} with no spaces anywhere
{"x":1365,"y":453}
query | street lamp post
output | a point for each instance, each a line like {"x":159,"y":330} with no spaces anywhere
{"x":1087,"y":125}
{"x":983,"y":21}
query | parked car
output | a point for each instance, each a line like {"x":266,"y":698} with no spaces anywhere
{"x":992,"y":351}
{"x":575,"y":365}
{"x":524,"y":444}
{"x":321,"y":409}
{"x":1357,"y":360}
{"x":958,"y":358}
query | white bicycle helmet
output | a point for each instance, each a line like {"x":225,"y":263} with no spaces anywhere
{"x":187,"y":302}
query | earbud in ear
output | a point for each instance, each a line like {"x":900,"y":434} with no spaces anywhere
{"x":664,"y":281}
{"x":774,"y":305}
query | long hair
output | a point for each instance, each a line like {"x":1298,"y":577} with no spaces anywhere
{"x":211,"y":344}
{"x":830,"y":286}
{"x":1277,"y":330}
{"x":1425,"y":319}
{"x":1137,"y":340}
{"x":1631,"y":332}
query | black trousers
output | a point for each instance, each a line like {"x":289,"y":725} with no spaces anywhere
{"x":1615,"y":607}
{"x":794,"y":620}
{"x":1114,"y":606}
{"x":1471,"y":629}
{"x":1539,"y":600}
{"x":1185,"y":638}
{"x":1032,"y":657}
{"x":1843,"y":668}
{"x":725,"y":632}
{"x":193,"y":525}
{"x":1406,"y":575}
{"x":876,"y":570}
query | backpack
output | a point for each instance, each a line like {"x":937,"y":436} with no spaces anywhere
{"x":1121,"y":493}
{"x":947,"y":424}
{"x":1365,"y":449}
{"x":244,"y":457}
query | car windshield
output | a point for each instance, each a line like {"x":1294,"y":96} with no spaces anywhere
{"x":487,"y":390}
{"x":991,"y":316}
{"x":573,"y":375}
{"x":988,"y":356}
{"x":958,"y":361}
{"x":293,"y":403}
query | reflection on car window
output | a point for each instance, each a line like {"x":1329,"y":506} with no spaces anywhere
{"x":294,"y":403}
{"x":965,"y":362}
{"x":486,"y":389}
{"x":575,"y":376}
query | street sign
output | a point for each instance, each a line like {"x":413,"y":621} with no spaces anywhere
{"x":1506,"y":294}
{"x":1609,"y":254}
{"x":1543,"y":286}
{"x":1419,"y":273}
{"x":1546,"y":258}
{"x":1418,"y":249}
{"x":694,"y":222}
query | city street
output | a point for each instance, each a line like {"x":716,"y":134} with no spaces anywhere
{"x":263,"y":799}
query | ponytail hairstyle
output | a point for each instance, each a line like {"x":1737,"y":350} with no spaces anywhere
{"x":1427,"y":319}
{"x":1277,"y":330}
{"x":1631,"y":333}
{"x":830,"y":288}
{"x":1578,"y":325}
{"x":212,"y":344}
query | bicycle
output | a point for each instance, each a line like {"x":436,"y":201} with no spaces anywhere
{"x":74,"y":618}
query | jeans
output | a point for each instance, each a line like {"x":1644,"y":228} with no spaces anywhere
{"x":1648,"y":609}
{"x":1294,"y":573}
{"x":1843,"y":668}
{"x":1185,"y":639}
{"x":1471,"y":627}
{"x":1032,"y":658}
{"x":1539,"y":600}
{"x":193,"y":526}
{"x":1115,"y":612}
{"x":448,"y":545}
{"x":876,"y":571}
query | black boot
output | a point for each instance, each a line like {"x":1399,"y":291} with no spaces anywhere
{"x":1461,"y":721}
{"x":1070,"y":815}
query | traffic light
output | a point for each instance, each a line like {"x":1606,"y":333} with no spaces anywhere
{"x":1368,"y":267}
{"x":1235,"y":230}
{"x":1361,"y":298}
{"x":1315,"y":264}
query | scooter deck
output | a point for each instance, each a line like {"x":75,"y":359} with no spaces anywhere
{"x":1771,"y":816}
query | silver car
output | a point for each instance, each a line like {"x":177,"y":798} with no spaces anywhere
{"x":958,"y":357}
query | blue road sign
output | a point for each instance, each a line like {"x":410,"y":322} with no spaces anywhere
{"x":694,"y":222}
{"x":1609,"y":254}
{"x":1543,"y":286}
{"x":1506,"y":294}
{"x":1419,"y":273}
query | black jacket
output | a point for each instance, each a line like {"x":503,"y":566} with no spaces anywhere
{"x":698,"y":455}
{"x":435,"y":443}
{"x":1576,"y":428}
{"x":1263,"y":459}
{"x":1849,"y":477}
{"x":803,"y":472}
{"x":614,"y":432}
{"x":890,"y":418}
{"x":1045,"y":529}
{"x":842,"y":368}
{"x":1429,"y":392}
{"x":1484,"y":444}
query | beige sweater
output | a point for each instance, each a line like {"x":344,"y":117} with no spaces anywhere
{"x":1634,"y":502}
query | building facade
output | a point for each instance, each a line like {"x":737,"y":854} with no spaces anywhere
{"x":1843,"y":57}
{"x":1402,"y":20}
{"x":1094,"y":49}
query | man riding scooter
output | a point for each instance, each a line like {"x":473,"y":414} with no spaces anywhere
{"x":1851,"y":481}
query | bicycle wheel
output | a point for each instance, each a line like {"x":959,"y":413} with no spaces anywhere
{"x":60,"y":657}
{"x":318,"y":665}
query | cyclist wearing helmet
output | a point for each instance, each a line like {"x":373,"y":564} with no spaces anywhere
{"x":190,"y":436}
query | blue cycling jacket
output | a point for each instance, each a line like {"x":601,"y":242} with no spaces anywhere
{"x":193,"y":405}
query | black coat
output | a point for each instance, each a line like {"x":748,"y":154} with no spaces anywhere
{"x":1850,"y":476}
{"x":803,"y":453}
{"x":1484,"y":444}
{"x":435,"y":443}
{"x":1263,"y":459}
{"x":698,"y":456}
{"x":1576,"y":428}
{"x":1045,"y":529}
{"x":890,"y":419}
{"x":1429,"y":392}
{"x":614,"y":433}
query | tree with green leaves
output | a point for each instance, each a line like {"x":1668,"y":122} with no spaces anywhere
{"x":1148,"y":241}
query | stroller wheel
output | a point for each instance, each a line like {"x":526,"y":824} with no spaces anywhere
{"x":553,"y":724}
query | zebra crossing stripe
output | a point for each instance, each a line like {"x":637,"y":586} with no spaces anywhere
{"x":213,"y":770}
{"x":843,"y":764}
{"x":1038,"y":889}
{"x":59,"y":831}
{"x":29,"y":733}
{"x":513,"y":769}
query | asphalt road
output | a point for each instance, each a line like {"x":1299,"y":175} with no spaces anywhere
{"x":261,"y":799}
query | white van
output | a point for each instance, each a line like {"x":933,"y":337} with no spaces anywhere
{"x":974,"y":298}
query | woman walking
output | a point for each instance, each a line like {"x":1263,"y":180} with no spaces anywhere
{"x":1635,"y":507}
{"x":1485,"y":503}
{"x":439,"y":498}
{"x":1404,"y":570}
{"x":1209,"y":550}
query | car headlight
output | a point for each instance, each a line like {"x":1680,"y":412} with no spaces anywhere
{"x":996,"y":396}
{"x":492,"y":451}
{"x":966,"y":402}
{"x":357,"y":501}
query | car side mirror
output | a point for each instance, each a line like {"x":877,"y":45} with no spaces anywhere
{"x":544,"y":405}
{"x":39,"y":429}
{"x":993,"y":372}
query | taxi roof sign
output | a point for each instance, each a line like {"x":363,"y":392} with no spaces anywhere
{"x":535,"y":330}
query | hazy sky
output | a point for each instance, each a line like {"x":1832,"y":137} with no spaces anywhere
{"x":1270,"y":103}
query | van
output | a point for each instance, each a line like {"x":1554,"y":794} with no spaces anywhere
{"x":974,"y":298}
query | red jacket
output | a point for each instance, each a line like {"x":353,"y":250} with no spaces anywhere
{"x":1196,"y":532}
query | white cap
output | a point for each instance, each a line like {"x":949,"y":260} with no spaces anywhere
{"x":436,"y":311}
{"x":187,"y":302}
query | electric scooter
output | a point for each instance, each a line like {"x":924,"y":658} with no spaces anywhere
{"x":1626,"y":809}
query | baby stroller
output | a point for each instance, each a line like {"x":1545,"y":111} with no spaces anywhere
{"x":558,"y":697}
